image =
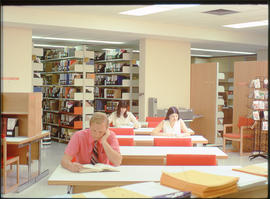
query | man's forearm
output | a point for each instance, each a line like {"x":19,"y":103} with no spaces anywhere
{"x":112,"y":155}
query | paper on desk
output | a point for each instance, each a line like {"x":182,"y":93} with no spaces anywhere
{"x":92,"y":194}
{"x":150,"y":189}
{"x":119,"y":192}
{"x":253,"y":169}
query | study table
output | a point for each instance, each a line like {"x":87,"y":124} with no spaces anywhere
{"x":156,"y":155}
{"x":148,"y":131}
{"x":14,"y":145}
{"x":249,"y":185}
{"x":141,"y":140}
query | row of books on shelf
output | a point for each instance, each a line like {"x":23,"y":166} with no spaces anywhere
{"x":72,"y":121}
{"x":110,"y":67}
{"x":74,"y":79}
{"x":66,"y":92}
{"x":109,"y":80}
{"x":261,"y":82}
{"x":67,"y":65}
{"x":112,"y":54}
{"x":66,"y":52}
{"x":106,"y":105}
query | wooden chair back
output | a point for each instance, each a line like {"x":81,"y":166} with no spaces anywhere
{"x":154,"y":119}
{"x":152,"y":124}
{"x":191,"y":159}
{"x":172,"y":142}
{"x":126,"y":141}
{"x":123,"y":131}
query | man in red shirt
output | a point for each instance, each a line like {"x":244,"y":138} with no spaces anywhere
{"x":82,"y":145}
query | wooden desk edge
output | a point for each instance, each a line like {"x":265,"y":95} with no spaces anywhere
{"x":29,"y":139}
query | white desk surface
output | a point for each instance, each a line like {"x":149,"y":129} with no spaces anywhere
{"x":151,"y":129}
{"x":19,"y":139}
{"x":136,"y":174}
{"x":194,"y":138}
{"x":163,"y":151}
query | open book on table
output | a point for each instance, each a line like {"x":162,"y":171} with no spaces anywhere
{"x":99,"y":167}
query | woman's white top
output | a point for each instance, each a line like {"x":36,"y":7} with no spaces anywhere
{"x":121,"y":121}
{"x":176,"y":129}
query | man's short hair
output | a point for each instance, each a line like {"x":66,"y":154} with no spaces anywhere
{"x":99,"y":118}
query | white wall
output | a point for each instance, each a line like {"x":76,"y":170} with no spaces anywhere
{"x":166,"y":67}
{"x":16,"y":73}
{"x":262,"y":55}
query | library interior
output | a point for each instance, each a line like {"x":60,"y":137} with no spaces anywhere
{"x":134,"y":101}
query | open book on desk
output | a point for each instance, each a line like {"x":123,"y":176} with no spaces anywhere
{"x":99,"y":167}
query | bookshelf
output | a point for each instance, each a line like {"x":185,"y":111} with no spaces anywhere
{"x":37,"y":66}
{"x":68,"y":91}
{"x":227,"y":83}
{"x":26,"y":107}
{"x":220,"y":104}
{"x":117,"y":78}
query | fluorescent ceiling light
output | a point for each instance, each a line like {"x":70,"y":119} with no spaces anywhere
{"x":135,"y":51}
{"x":107,"y":49}
{"x":52,"y":46}
{"x":77,"y":40}
{"x":222,"y":51}
{"x":248,"y":25}
{"x":194,"y":55}
{"x":155,"y":9}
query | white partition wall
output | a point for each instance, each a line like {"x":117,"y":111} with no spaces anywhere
{"x":17,"y":60}
{"x":164,"y":74}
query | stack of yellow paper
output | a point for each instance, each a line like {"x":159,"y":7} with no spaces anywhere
{"x":200,"y":183}
{"x":253,"y":169}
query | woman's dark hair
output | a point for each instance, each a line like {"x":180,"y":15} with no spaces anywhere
{"x":122,"y":104}
{"x":172,"y":110}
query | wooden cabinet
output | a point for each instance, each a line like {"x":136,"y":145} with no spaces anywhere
{"x":27,"y":107}
{"x":243,"y":72}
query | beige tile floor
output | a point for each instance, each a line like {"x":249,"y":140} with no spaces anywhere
{"x":51,"y":159}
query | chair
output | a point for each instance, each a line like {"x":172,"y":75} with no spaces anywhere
{"x":152,"y":124}
{"x":8,"y":161}
{"x":123,"y":131}
{"x":191,"y":159}
{"x":154,"y":119}
{"x":172,"y":142}
{"x":126,"y":141}
{"x":243,"y":123}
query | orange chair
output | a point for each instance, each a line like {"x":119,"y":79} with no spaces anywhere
{"x":154,"y":119}
{"x":152,"y":124}
{"x":123,"y":131}
{"x":126,"y":141}
{"x":8,"y":161}
{"x":191,"y":159}
{"x":172,"y":142}
{"x":243,"y":123}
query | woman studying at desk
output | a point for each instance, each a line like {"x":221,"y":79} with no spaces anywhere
{"x":122,"y":117}
{"x":173,"y":125}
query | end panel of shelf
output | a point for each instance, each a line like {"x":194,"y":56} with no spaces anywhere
{"x":37,"y":81}
{"x":37,"y":51}
{"x":37,"y":66}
